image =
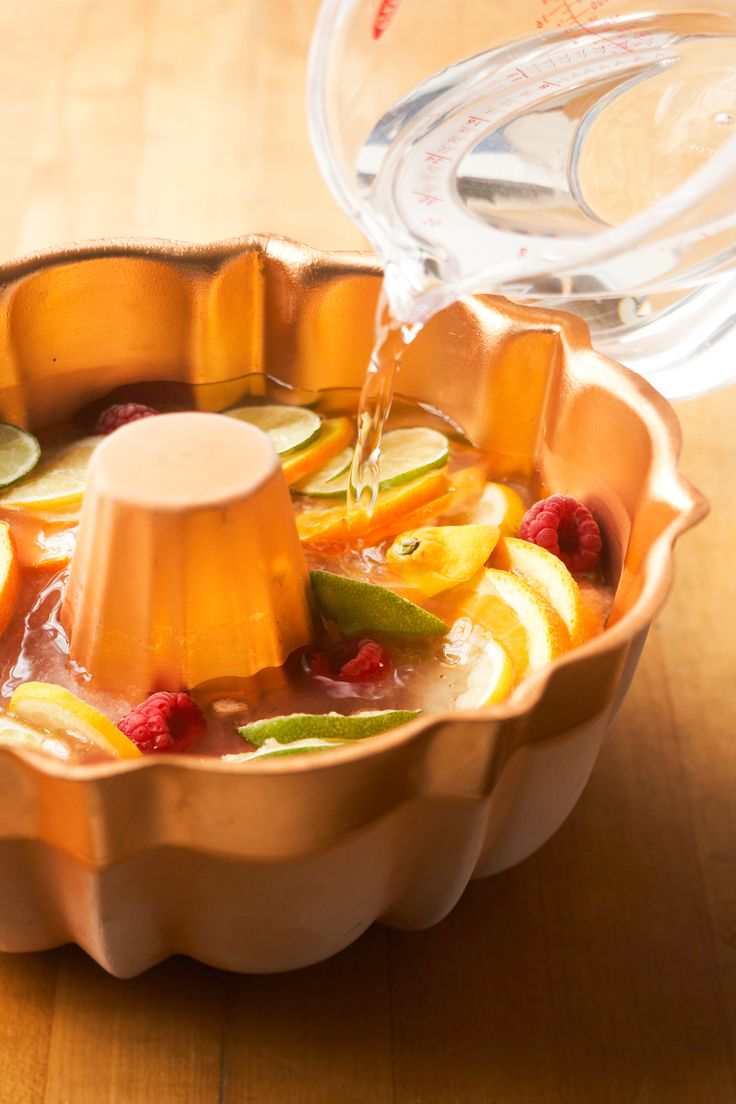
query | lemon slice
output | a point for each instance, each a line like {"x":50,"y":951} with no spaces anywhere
{"x":45,"y":705}
{"x":490,"y":679}
{"x":336,"y":727}
{"x":19,"y":453}
{"x":326,"y":483}
{"x":290,"y":427}
{"x":57,"y":481}
{"x":406,"y":454}
{"x":14,"y":733}
{"x":502,"y":506}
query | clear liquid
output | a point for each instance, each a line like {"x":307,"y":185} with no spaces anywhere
{"x":506,"y":172}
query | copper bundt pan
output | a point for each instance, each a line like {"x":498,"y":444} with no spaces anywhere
{"x":273,"y":865}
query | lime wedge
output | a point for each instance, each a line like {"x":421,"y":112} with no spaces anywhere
{"x":406,"y":454}
{"x":19,"y":453}
{"x":57,"y":481}
{"x":367,"y":607}
{"x":299,"y":727}
{"x":326,"y":483}
{"x":290,"y":427}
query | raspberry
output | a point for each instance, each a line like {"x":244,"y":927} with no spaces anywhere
{"x":164,"y":722}
{"x":351,"y":661}
{"x":122,"y":414}
{"x":566,"y":528}
{"x":371,"y":661}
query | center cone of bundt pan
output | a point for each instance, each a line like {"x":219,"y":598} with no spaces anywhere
{"x":188,"y":566}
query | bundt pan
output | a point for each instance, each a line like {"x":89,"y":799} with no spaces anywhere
{"x":273,"y":865}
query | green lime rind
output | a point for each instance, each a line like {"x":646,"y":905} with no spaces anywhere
{"x":334,"y":727}
{"x":358,"y":607}
{"x":406,"y":454}
{"x":272,"y":749}
{"x":291,"y":428}
{"x":326,"y":482}
{"x":19,"y":453}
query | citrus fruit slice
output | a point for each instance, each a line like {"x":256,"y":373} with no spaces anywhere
{"x":358,"y":608}
{"x":406,"y":454}
{"x":56,"y":709}
{"x":326,"y":482}
{"x":271,"y":750}
{"x":502,"y":506}
{"x":438,"y":557}
{"x":13,"y":733}
{"x":546,"y":635}
{"x":19,"y":453}
{"x":335,"y":434}
{"x":57,"y":481}
{"x":549,"y":575}
{"x":290,"y":427}
{"x":490,"y":679}
{"x":9,"y":576}
{"x":325,"y":726}
{"x":329,"y":525}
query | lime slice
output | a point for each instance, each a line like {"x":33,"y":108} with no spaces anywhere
{"x":298,"y":727}
{"x":19,"y":453}
{"x":57,"y":481}
{"x":46,"y":705}
{"x":272,"y":748}
{"x":326,"y":483}
{"x":359,"y":608}
{"x":290,"y":427}
{"x":406,"y":454}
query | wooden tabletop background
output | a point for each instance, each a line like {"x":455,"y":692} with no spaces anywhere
{"x":600,"y":971}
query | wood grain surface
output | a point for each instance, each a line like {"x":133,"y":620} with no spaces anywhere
{"x":600,"y":971}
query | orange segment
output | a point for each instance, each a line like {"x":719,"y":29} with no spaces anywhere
{"x":336,"y":433}
{"x":548,"y":575}
{"x":9,"y":576}
{"x":330,"y":525}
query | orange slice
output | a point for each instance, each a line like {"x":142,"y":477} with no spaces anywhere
{"x":335,"y":434}
{"x":42,"y":543}
{"x":516,"y":615}
{"x":463,"y":489}
{"x":45,"y":705}
{"x":548,"y":575}
{"x":9,"y":575}
{"x":330,"y":525}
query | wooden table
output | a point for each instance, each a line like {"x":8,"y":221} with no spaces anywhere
{"x":602,"y":970}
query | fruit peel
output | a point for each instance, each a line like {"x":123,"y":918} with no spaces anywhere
{"x":436,"y":558}
{"x":335,"y":727}
{"x":358,"y":608}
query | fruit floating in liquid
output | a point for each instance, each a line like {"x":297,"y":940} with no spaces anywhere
{"x":445,"y":597}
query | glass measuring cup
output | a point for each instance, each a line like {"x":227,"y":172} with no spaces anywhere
{"x":575,"y":153}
